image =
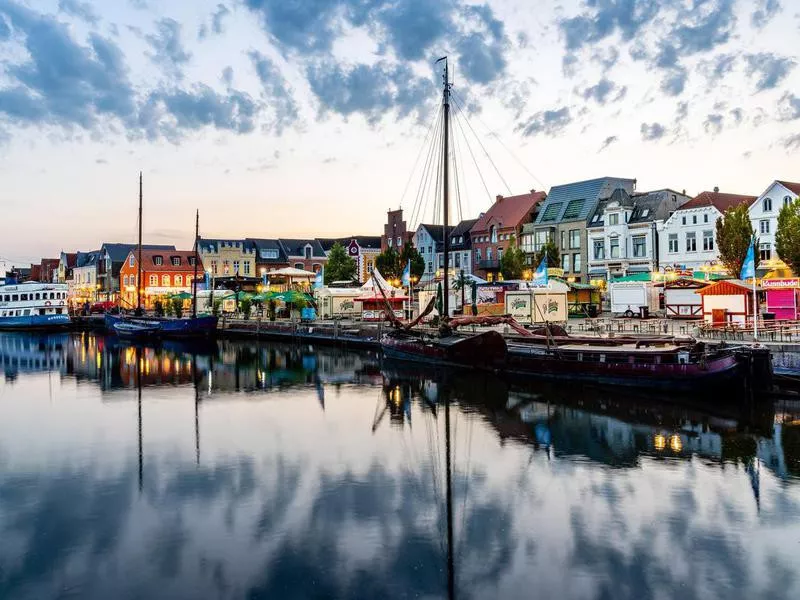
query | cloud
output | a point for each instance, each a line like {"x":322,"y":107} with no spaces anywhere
{"x":713,"y":124}
{"x":792,"y":142}
{"x":653,"y":131}
{"x":168,"y":51}
{"x":682,"y":111}
{"x":737,"y":114}
{"x":217,"y":22}
{"x":227,"y":76}
{"x":139,"y":4}
{"x":81,"y":10}
{"x":276,"y":90}
{"x":568,"y":64}
{"x":603,"y":90}
{"x":674,"y":81}
{"x":789,"y":107}
{"x":607,"y":142}
{"x":765,"y":10}
{"x":101,"y":161}
{"x":768,"y":68}
{"x":479,"y":61}
{"x":606,"y":58}
{"x":717,"y":68}
{"x":704,"y":26}
{"x":606,"y":17}
{"x":548,"y":122}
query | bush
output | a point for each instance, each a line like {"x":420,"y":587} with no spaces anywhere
{"x":247,"y":307}
{"x":216,"y":307}
{"x":177,"y":307}
{"x":159,"y":308}
{"x":271,"y":310}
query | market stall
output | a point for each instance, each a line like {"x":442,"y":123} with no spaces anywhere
{"x":681,"y":298}
{"x":728,"y":301}
{"x":783,"y":298}
{"x":633,"y":295}
{"x":337,"y":302}
{"x":538,"y":305}
{"x":373,"y":308}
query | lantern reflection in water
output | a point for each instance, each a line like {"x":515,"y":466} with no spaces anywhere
{"x":660,"y":442}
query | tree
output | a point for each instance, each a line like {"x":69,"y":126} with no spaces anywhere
{"x":787,"y":238}
{"x":734,"y":236}
{"x":549,"y":250}
{"x":339,"y":267}
{"x":409,"y":252}
{"x":513,"y":261}
{"x":388,"y":263}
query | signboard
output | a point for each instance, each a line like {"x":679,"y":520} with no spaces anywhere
{"x":776,"y":284}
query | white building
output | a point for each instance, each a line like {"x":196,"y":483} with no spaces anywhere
{"x":688,"y":238}
{"x":460,"y":248}
{"x":623,"y":233}
{"x":429,"y":241}
{"x":764,"y":217}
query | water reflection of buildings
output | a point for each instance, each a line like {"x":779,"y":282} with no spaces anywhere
{"x":24,"y":353}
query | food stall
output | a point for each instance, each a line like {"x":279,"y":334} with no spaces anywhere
{"x":629,"y":294}
{"x":728,"y":301}
{"x":334,"y":303}
{"x":783,"y":298}
{"x":373,"y":308}
{"x":681,"y":298}
{"x":537,"y":305}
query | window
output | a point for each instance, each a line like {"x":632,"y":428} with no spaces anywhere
{"x":399,"y":241}
{"x":614,"y":244}
{"x":708,"y":240}
{"x":236,"y":267}
{"x":299,"y":266}
{"x":705,"y":218}
{"x":165,"y":280}
{"x":683,"y":220}
{"x":370,"y":266}
{"x":308,"y":252}
{"x":765,"y":251}
{"x":24,"y":297}
{"x":551,"y":212}
{"x":613,"y":219}
{"x":673,"y":243}
{"x":767,"y":205}
{"x":267,"y":254}
{"x":639,"y":246}
{"x":691,"y":242}
{"x":541,"y":238}
{"x":493,"y":234}
{"x":191,"y":260}
{"x":565,"y":262}
{"x":458,"y":260}
{"x":477,"y":255}
{"x":226,"y":267}
{"x":176,"y":261}
{"x":214,"y":267}
{"x":645,"y":212}
{"x":430,"y":267}
{"x":247,"y":267}
{"x":130,"y":260}
{"x":125,"y":280}
{"x":787,"y":200}
{"x":179,"y":280}
{"x":576,"y":262}
{"x":390,"y":241}
{"x":564,"y":240}
{"x":466,"y":259}
{"x":574,"y":239}
{"x":574,"y":208}
{"x":763,"y":226}
{"x":599,"y":249}
{"x":158,"y":260}
{"x":153,"y":279}
{"x":499,"y":254}
{"x":488,"y":254}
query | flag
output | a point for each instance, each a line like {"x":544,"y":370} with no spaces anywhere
{"x":540,"y":276}
{"x":319,"y":280}
{"x":749,"y":266}
{"x":406,"y":277}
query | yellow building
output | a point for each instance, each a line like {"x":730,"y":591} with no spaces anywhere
{"x":228,"y":257}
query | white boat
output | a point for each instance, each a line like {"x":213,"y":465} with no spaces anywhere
{"x":33,"y":305}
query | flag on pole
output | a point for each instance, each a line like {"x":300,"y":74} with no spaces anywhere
{"x":540,"y":276}
{"x":319,"y":280}
{"x":749,"y":265}
{"x":406,"y":277}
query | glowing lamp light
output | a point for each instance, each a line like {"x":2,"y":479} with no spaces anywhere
{"x":675,"y":443}
{"x":660,"y":442}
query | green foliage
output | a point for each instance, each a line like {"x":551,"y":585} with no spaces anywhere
{"x":177,"y":307}
{"x":216,"y":307}
{"x":247,"y":308}
{"x":159,"y":308}
{"x":409,"y":252}
{"x":734,"y":235}
{"x":550,"y":250}
{"x":513,"y":261}
{"x":388,"y":263}
{"x":339,"y":267}
{"x":787,"y":238}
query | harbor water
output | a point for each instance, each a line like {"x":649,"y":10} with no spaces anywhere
{"x":257,"y":470}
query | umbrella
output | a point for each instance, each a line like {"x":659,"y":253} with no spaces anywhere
{"x":291,"y":296}
{"x":182,"y":296}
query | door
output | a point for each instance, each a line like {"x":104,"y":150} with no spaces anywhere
{"x":719,"y":316}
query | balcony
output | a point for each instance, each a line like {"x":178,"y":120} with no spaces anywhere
{"x":489,"y":265}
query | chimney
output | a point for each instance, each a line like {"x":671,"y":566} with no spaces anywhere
{"x":533,"y":191}
{"x":684,"y":191}
{"x":499,"y":197}
{"x":716,"y":189}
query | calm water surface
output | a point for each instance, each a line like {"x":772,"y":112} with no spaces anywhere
{"x":270,"y":471}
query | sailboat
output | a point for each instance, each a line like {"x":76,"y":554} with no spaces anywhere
{"x":486,"y":349}
{"x":141,"y":326}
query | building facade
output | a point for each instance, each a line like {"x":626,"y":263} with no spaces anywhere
{"x":623,"y":233}
{"x":429,"y":242}
{"x":563,"y":218}
{"x":493,"y":231}
{"x":164,"y":273}
{"x":112,"y":257}
{"x":688,"y":237}
{"x":228,"y":258}
{"x":84,"y":286}
{"x":460,"y":248}
{"x":363,"y":249}
{"x":269,"y":255}
{"x":304,"y":254}
{"x":66,"y":263}
{"x":764,"y":217}
{"x":395,"y":235}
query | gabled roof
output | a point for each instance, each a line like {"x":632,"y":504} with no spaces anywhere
{"x":435,"y":231}
{"x":791,"y":186}
{"x":87,"y":259}
{"x":295,"y":247}
{"x":69,"y":258}
{"x":213,"y":244}
{"x":462,"y":230}
{"x":727,"y":287}
{"x":578,"y":201}
{"x":149,"y":264}
{"x":654,"y":206}
{"x":119,"y":252}
{"x":510,"y":211}
{"x":50,"y":263}
{"x":367,"y":242}
{"x":719,"y":200}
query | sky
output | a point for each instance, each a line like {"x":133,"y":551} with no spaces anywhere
{"x":280,"y":118}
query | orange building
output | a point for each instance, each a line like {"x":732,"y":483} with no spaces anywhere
{"x":164,"y":273}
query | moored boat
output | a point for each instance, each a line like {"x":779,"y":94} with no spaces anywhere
{"x":33,"y":305}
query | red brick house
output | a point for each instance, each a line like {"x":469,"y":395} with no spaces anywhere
{"x":395,"y":235}
{"x":492,"y":233}
{"x":164,"y":273}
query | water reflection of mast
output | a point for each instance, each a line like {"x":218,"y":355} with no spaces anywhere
{"x":139,"y":399}
{"x":196,"y":382}
{"x":451,"y":575}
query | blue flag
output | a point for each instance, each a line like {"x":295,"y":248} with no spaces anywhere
{"x":406,"y":277}
{"x":540,"y":276}
{"x":749,"y":266}
{"x":319,"y":280}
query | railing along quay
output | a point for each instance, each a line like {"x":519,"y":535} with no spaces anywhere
{"x":335,"y":332}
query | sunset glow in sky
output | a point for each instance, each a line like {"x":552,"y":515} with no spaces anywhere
{"x":305,"y":117}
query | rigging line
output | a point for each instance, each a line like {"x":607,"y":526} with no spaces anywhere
{"x":480,"y":143}
{"x":418,"y":211}
{"x":474,"y":161}
{"x":507,"y":149}
{"x":457,"y":174}
{"x":419,"y":154}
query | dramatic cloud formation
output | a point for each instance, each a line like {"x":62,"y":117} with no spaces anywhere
{"x":277,"y":91}
{"x":168,"y":51}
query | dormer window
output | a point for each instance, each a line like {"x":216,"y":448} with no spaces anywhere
{"x":191,"y":260}
{"x":613,"y":219}
{"x":308,"y":251}
{"x":767,"y":205}
{"x":596,"y":218}
{"x":176,"y":261}
{"x":130,"y":260}
{"x":645,"y":212}
{"x":158,"y":260}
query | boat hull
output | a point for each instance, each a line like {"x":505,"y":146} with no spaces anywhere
{"x":34,"y":322}
{"x":154,"y":327}
{"x":485,"y":350}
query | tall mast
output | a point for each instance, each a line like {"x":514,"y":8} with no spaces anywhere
{"x":446,"y":190}
{"x":194,"y":281}
{"x":139,"y":261}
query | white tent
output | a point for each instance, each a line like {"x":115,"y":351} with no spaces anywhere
{"x":369,"y":286}
{"x":292,"y":272}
